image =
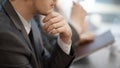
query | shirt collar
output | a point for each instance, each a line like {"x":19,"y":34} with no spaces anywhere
{"x":26,"y":24}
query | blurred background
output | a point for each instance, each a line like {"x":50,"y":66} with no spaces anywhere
{"x":104,"y":14}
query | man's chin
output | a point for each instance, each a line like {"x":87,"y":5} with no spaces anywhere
{"x":46,"y":13}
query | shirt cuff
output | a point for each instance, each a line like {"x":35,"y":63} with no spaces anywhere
{"x":65,"y":47}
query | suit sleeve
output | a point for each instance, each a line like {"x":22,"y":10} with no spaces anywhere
{"x":54,"y":56}
{"x":61,"y":59}
{"x":12,"y":52}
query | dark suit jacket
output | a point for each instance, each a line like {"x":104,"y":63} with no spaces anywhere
{"x":16,"y":49}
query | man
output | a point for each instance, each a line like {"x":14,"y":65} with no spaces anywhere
{"x":21,"y":45}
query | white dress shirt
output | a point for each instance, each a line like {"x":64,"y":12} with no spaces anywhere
{"x":65,"y":47}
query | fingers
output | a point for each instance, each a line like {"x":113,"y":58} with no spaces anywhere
{"x":58,"y":30}
{"x":50,"y":16}
{"x":55,"y":26}
{"x":52,"y":21}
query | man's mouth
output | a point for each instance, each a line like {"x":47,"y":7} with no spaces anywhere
{"x":52,"y":5}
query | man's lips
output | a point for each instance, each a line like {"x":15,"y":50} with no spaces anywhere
{"x":52,"y":5}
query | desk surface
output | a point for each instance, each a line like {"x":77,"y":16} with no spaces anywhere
{"x":107,"y":57}
{"x":99,"y":42}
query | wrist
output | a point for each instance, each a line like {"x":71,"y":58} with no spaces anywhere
{"x":66,"y":39}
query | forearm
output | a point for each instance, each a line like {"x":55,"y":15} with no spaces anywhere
{"x":59,"y":59}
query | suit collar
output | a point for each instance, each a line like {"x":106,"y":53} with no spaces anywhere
{"x":12,"y":14}
{"x":27,"y":24}
{"x":9,"y":10}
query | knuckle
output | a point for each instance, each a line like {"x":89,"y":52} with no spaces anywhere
{"x":54,"y":14}
{"x":61,"y":17}
{"x":53,"y":25}
{"x":56,"y":31}
{"x":64,"y":24}
{"x":51,"y":20}
{"x":45,"y":26}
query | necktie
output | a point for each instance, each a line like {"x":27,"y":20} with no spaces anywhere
{"x":37,"y":41}
{"x":30,"y":35}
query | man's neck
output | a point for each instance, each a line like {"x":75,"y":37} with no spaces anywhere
{"x":25,"y":12}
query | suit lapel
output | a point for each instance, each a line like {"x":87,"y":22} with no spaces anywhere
{"x":16,"y":21}
{"x":38,"y":43}
{"x":8,"y":9}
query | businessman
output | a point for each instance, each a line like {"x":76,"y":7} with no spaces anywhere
{"x":21,"y":44}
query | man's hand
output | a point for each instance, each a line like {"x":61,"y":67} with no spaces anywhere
{"x":56,"y":24}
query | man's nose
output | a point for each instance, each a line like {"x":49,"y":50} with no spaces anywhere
{"x":54,"y":0}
